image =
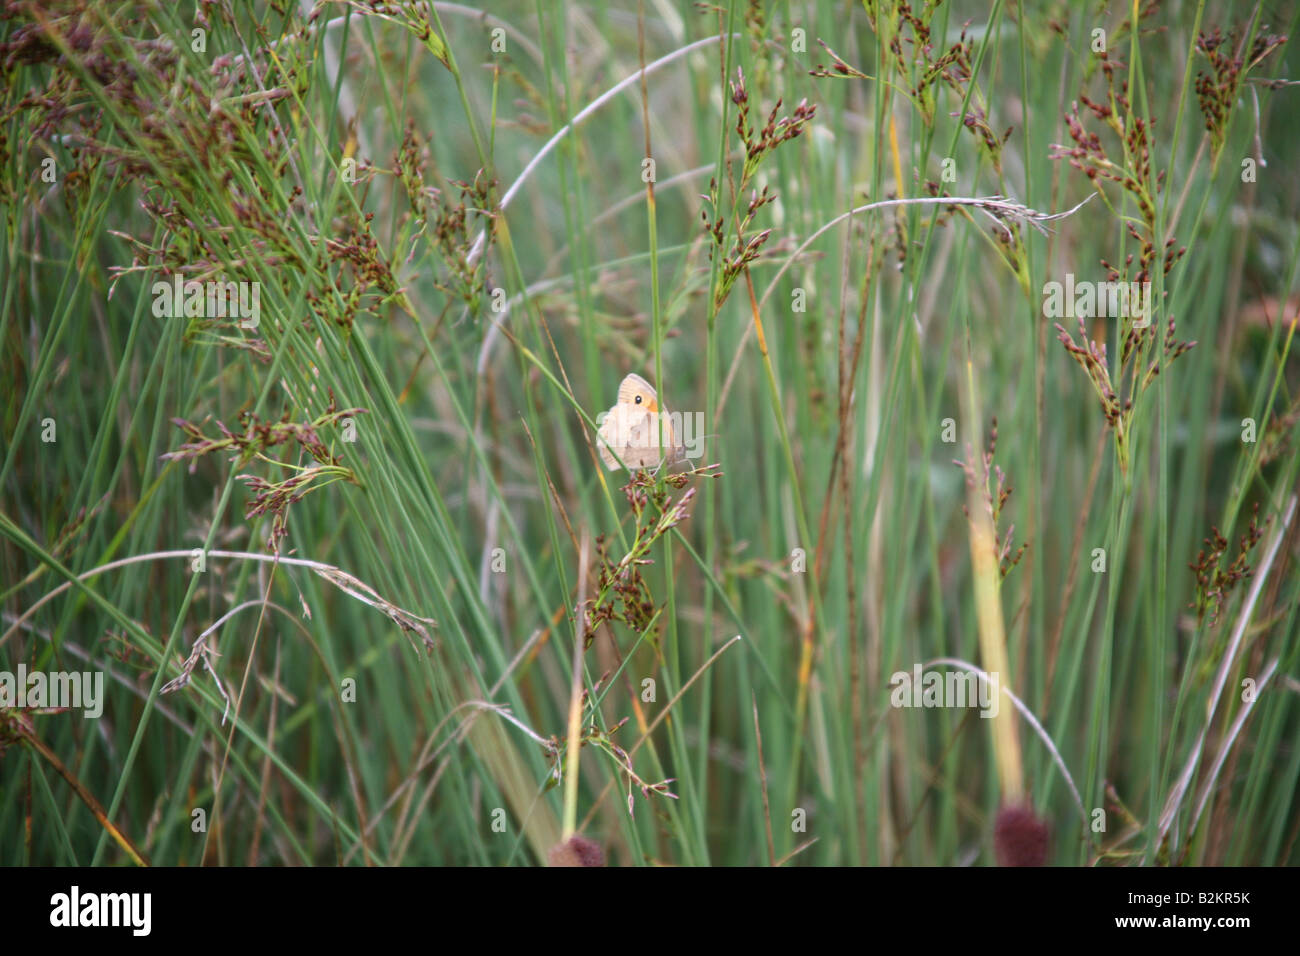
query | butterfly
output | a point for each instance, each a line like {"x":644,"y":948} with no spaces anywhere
{"x":631,"y":429}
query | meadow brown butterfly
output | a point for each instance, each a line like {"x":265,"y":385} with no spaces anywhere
{"x":631,"y":428}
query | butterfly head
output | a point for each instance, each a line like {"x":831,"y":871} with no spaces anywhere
{"x":637,"y":393}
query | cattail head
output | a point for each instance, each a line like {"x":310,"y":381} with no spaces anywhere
{"x":577,"y":850}
{"x":1020,"y":837}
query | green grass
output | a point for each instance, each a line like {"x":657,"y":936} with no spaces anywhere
{"x":368,"y":547}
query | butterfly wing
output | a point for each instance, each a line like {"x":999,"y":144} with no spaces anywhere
{"x":642,"y":449}
{"x":607,"y":437}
